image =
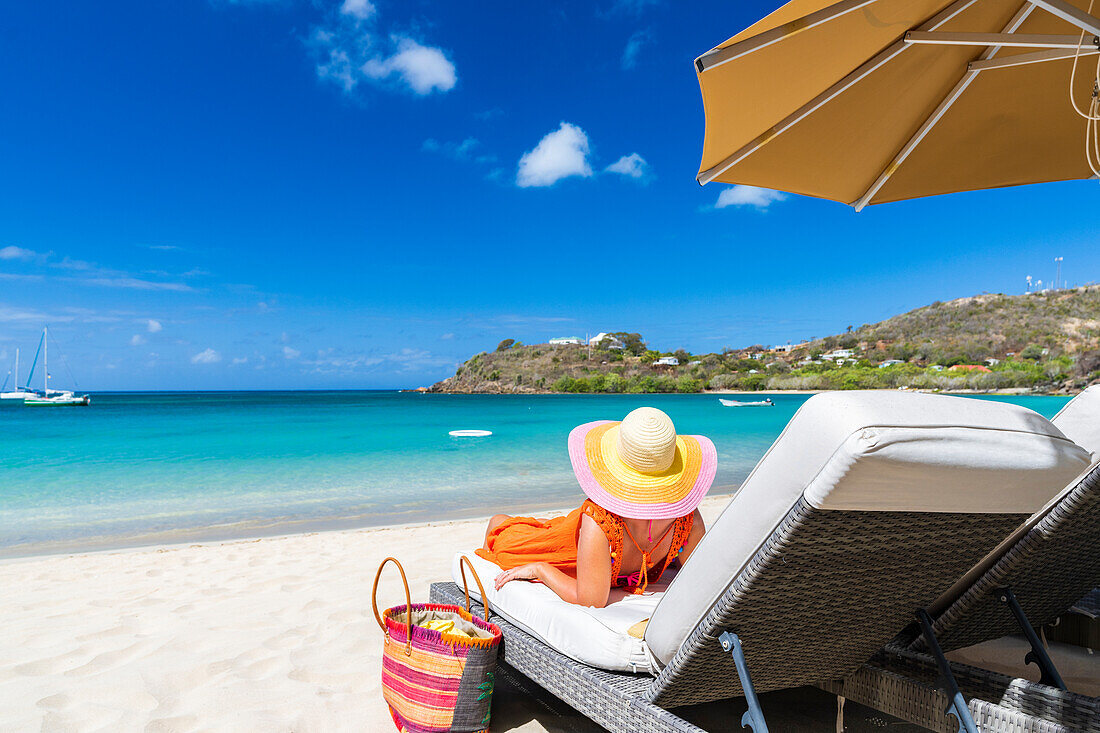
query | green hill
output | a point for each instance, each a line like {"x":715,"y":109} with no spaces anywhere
{"x":1047,"y":342}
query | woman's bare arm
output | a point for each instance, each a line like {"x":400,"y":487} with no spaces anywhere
{"x":591,"y":587}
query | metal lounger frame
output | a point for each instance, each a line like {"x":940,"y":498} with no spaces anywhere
{"x":617,"y":701}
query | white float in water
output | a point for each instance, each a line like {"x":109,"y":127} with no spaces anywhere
{"x":470,"y":433}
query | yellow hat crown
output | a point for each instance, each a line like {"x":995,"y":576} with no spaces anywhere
{"x":647,"y":440}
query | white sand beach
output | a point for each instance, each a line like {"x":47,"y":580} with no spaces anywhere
{"x":273,"y":634}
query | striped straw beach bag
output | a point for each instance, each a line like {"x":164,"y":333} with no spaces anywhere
{"x":438,"y":662}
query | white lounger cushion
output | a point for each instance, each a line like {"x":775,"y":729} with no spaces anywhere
{"x":594,"y":636}
{"x":872,"y":451}
{"x":1080,"y":420}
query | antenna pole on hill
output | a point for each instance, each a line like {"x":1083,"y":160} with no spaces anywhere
{"x":1058,"y":274}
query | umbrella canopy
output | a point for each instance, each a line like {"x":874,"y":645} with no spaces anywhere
{"x":869,"y":101}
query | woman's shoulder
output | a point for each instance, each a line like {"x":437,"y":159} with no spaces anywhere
{"x":609,"y":522}
{"x":600,"y":515}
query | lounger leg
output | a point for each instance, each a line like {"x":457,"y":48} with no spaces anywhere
{"x":754,"y":716}
{"x":957,"y":707}
{"x":1048,"y":674}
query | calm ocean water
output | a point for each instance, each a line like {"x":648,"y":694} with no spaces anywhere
{"x":162,"y":467}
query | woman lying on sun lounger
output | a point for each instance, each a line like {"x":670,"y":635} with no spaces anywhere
{"x":643,"y":484}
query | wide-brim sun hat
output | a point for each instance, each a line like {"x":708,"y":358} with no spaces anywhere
{"x":640,"y":468}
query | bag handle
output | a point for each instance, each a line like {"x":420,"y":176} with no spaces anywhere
{"x":463,"y":561}
{"x":408,"y":603}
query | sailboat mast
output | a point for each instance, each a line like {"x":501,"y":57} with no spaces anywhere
{"x":16,"y":368}
{"x":46,"y":361}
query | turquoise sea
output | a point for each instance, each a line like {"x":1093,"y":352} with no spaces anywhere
{"x":145,"y":468}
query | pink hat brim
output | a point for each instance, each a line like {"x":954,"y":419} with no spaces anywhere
{"x":632,"y":510}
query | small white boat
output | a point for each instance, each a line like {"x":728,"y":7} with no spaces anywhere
{"x":57,"y":397}
{"x":470,"y":433}
{"x":735,"y":403}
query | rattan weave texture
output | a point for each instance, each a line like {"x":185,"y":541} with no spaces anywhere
{"x":1089,"y":605}
{"x":1053,"y":565}
{"x":904,"y":684}
{"x":825,"y":592}
{"x":613,"y":699}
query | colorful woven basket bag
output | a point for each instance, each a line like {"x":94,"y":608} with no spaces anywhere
{"x":438,"y":662}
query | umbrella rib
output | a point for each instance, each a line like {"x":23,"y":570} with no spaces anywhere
{"x":1070,"y":14}
{"x":718,"y":56}
{"x":1019,"y":40}
{"x":829,"y":94}
{"x":1022,"y":59}
{"x":941,"y":109}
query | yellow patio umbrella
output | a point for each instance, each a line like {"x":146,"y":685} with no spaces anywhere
{"x":869,"y":101}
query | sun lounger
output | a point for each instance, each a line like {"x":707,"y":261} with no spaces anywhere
{"x":1046,"y":566}
{"x":865,"y":511}
{"x":1027,"y":583}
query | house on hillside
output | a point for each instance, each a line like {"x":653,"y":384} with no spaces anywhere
{"x":667,"y":361}
{"x":837,"y":354}
{"x":567,"y":341}
{"x":788,"y":348}
{"x":890,"y":362}
{"x":607,"y":341}
{"x":968,"y":368}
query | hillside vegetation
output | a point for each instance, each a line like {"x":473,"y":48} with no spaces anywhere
{"x":1039,"y":342}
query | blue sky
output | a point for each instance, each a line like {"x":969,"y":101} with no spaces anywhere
{"x":283,"y":194}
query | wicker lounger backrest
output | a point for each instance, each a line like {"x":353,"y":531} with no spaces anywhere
{"x":869,"y":506}
{"x":1049,"y":564}
{"x":1055,"y":563}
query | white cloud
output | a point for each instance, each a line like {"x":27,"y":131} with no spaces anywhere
{"x":208,"y":356}
{"x":351,"y":46}
{"x":560,"y":154}
{"x":290,"y":353}
{"x":134,"y":283}
{"x":137,"y":340}
{"x":633,"y":48}
{"x":760,"y":198}
{"x":239,"y":360}
{"x":631,"y":166}
{"x":338,"y":68}
{"x":20,"y":315}
{"x":361,"y":9}
{"x":12,"y":252}
{"x":446,"y":337}
{"x":153,"y":325}
{"x":464,"y":150}
{"x":424,"y":68}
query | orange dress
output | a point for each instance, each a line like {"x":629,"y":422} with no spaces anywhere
{"x":522,"y":540}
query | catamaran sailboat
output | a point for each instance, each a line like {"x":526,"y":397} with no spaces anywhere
{"x":50,"y":396}
{"x":16,"y":396}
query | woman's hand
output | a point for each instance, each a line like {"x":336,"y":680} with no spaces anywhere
{"x":529,"y":571}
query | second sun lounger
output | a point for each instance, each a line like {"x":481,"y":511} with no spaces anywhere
{"x":1043,"y":568}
